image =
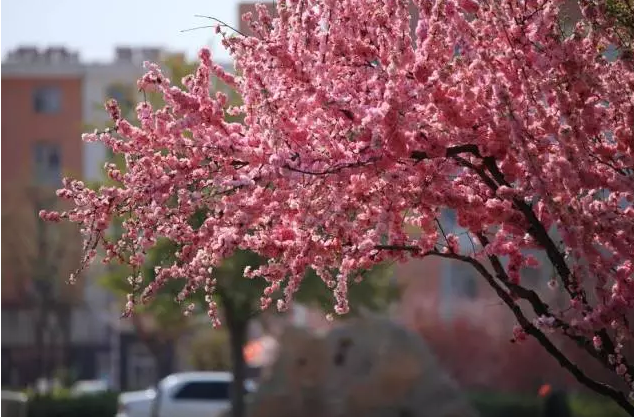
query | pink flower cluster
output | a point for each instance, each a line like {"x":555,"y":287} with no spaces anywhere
{"x":354,"y":130}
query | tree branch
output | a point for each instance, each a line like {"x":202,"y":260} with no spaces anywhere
{"x":450,"y":152}
{"x":331,"y":170}
{"x":540,"y":234}
{"x":528,"y":327}
{"x":542,"y":309}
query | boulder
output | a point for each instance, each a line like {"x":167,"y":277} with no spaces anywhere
{"x":367,"y":367}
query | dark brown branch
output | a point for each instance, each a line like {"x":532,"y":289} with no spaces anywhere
{"x":540,"y":234}
{"x":450,"y":152}
{"x":483,"y":175}
{"x":536,"y":229}
{"x":543,"y":340}
{"x":442,"y":231}
{"x":332,"y":170}
{"x":529,"y":327}
{"x":542,"y":309}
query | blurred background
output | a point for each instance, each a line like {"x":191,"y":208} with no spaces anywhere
{"x":60,"y":61}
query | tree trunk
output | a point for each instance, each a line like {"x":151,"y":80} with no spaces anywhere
{"x":64,"y":322}
{"x":162,"y":350}
{"x":164,"y":358}
{"x":40,"y":329}
{"x":237,"y":340}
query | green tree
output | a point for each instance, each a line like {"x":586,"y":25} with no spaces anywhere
{"x":159,"y":325}
{"x":210,"y":350}
{"x":239,"y":299}
{"x":622,"y":11}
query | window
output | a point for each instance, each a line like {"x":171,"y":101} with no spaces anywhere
{"x":47,"y":161}
{"x":47,"y":100}
{"x":204,"y":391}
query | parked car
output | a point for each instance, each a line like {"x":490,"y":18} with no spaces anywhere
{"x":14,"y":404}
{"x":88,"y":387}
{"x":136,"y":403}
{"x":190,"y":394}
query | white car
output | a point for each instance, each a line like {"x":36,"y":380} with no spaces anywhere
{"x":190,"y":394}
{"x":136,"y":403}
{"x":88,"y":387}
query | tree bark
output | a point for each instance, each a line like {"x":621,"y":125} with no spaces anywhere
{"x":164,"y":358}
{"x":64,"y":322}
{"x":237,"y":339}
{"x":40,"y":329}
{"x":161,"y":349}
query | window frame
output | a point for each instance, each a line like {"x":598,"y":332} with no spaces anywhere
{"x":45,"y":95}
{"x":42,"y":152}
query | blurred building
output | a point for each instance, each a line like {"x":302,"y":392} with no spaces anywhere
{"x":115,"y":79}
{"x":42,"y":92}
{"x":51,"y":98}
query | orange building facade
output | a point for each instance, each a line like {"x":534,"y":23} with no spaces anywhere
{"x":41,"y":142}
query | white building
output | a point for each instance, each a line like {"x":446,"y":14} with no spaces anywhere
{"x":116,"y":79}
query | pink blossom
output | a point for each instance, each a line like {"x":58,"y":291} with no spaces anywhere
{"x":354,"y":130}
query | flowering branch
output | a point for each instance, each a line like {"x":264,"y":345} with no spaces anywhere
{"x":351,"y":135}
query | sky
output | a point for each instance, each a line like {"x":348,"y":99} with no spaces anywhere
{"x":94,"y":27}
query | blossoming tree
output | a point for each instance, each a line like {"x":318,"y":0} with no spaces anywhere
{"x":354,"y":130}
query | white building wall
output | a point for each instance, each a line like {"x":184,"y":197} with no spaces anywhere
{"x":97,"y":79}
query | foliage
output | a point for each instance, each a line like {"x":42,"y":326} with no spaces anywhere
{"x":498,"y":404}
{"x":353,"y":131}
{"x":505,"y":405}
{"x":164,"y":313}
{"x":584,"y":406}
{"x":98,"y":405}
{"x":210,"y":351}
{"x":486,"y":403}
{"x":622,"y":11}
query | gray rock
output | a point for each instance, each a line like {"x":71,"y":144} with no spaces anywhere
{"x":368,"y":367}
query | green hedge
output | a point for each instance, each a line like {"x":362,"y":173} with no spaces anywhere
{"x":515,"y":405}
{"x":593,"y":407}
{"x":505,"y":405}
{"x":97,"y":405}
{"x":488,"y":405}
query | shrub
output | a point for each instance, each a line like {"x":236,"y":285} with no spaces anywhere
{"x":517,"y":405}
{"x":96,"y":405}
{"x":506,"y":405}
{"x":594,"y":407}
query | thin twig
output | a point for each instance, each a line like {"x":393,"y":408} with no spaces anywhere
{"x":221,"y":22}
